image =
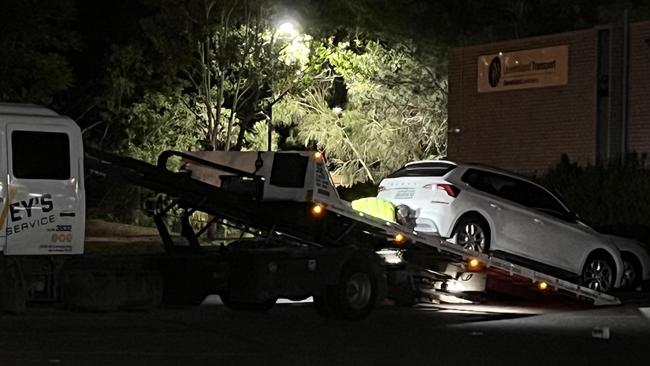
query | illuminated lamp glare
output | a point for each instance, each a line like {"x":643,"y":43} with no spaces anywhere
{"x":318,"y":155}
{"x":542,"y":285}
{"x":287,"y":30}
{"x":474,"y":263}
{"x":317,"y":210}
{"x":399,"y":238}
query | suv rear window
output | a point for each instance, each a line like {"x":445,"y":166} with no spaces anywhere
{"x":423,"y":170}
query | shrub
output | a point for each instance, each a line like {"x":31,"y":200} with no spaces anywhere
{"x":612,"y":197}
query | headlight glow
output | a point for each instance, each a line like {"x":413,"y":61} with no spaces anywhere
{"x":391,"y":256}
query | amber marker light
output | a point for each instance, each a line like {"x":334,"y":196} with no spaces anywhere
{"x":474,"y":263}
{"x":542,"y":285}
{"x":317,"y":210}
{"x":318,"y":155}
{"x":399,"y":238}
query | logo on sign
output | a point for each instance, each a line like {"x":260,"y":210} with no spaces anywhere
{"x":494,"y":74}
{"x":23,"y":214}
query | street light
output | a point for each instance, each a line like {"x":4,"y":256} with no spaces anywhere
{"x":286,"y":30}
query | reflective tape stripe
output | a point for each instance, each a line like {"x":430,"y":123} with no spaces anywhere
{"x":376,"y":207}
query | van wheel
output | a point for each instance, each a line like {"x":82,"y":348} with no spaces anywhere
{"x":472,"y":233}
{"x":599,"y":273}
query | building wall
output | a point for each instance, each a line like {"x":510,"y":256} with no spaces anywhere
{"x":638,"y":131}
{"x":525,"y":130}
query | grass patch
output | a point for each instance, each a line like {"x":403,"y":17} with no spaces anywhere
{"x":103,"y":228}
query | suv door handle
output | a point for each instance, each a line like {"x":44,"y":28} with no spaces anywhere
{"x":494,"y":205}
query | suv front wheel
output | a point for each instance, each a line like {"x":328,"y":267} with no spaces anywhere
{"x":599,"y":273}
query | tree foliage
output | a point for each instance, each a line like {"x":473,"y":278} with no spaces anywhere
{"x":395,"y":111}
{"x":226,"y":55}
{"x":35,"y":38}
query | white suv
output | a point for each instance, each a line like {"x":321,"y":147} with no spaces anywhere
{"x":486,"y":209}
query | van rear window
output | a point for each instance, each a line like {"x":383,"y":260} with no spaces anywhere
{"x":423,"y":170}
{"x":40,"y":155}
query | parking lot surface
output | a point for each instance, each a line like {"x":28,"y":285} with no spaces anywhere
{"x":293,"y":334}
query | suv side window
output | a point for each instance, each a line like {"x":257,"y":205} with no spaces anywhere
{"x":537,"y":198}
{"x":491,"y":183}
{"x":478,"y":179}
{"x":516,"y":190}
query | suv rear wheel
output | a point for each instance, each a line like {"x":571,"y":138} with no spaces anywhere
{"x":472,"y":233}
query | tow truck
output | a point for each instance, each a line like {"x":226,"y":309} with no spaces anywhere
{"x":297,"y":238}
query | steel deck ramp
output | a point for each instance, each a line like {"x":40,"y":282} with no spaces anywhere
{"x":485,"y":261}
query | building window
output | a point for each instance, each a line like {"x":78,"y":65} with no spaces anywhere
{"x":40,"y":155}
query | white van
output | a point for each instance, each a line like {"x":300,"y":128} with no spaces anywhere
{"x":42,"y":182}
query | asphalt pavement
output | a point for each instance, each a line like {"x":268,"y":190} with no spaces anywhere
{"x":293,"y":334}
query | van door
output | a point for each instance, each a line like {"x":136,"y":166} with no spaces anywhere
{"x":45,"y":205}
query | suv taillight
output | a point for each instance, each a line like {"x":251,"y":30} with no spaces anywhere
{"x":450,"y":189}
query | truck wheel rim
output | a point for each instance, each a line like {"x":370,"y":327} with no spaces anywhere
{"x":471,"y":237}
{"x":629,"y":275}
{"x":598,"y":275}
{"x":358,"y":290}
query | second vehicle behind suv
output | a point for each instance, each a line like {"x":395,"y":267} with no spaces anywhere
{"x":486,"y":209}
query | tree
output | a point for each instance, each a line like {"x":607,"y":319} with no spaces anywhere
{"x":395,"y":112}
{"x":35,"y":38}
{"x":224,"y":54}
{"x":136,"y":120}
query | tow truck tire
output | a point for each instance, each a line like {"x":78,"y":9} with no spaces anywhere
{"x":356,"y":293}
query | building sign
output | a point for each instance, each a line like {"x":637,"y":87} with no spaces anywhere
{"x":536,"y":68}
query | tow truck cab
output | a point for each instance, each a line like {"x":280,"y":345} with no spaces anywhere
{"x":42,"y":194}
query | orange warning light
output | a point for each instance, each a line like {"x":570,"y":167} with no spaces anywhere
{"x":317,"y":210}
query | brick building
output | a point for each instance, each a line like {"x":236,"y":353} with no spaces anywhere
{"x":521,"y":104}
